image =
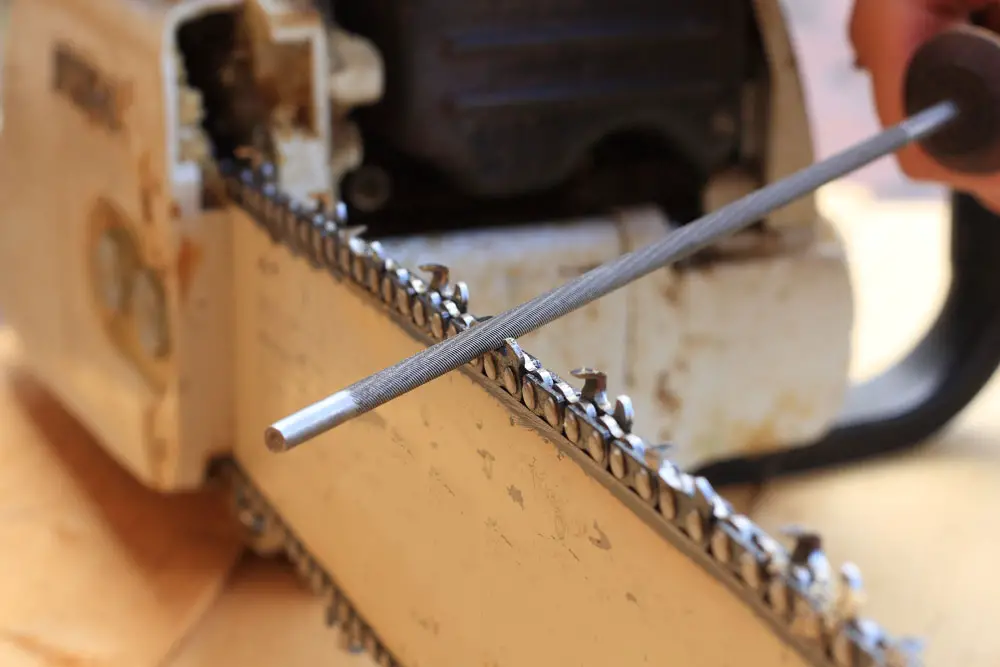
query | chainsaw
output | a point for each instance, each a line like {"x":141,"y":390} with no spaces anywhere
{"x":216,"y":211}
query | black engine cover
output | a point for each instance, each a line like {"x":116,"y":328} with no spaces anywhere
{"x":507,"y":98}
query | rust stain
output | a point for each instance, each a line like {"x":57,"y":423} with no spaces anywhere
{"x":50,"y":655}
{"x":488,"y":460}
{"x":375,"y":419}
{"x":267,"y":267}
{"x":601,"y":541}
{"x":516,"y":495}
{"x":156,"y":446}
{"x":765,"y":436}
{"x":762,"y":438}
{"x":700,"y":340}
{"x":666,"y":396}
{"x":789,"y":403}
{"x":671,"y":292}
{"x":428,"y":624}
{"x":149,"y":188}
{"x":124,"y":98}
{"x":188,"y":260}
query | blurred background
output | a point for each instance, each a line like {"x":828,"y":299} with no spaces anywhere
{"x":895,"y":230}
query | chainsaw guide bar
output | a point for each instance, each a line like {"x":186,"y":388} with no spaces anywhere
{"x":811,"y":607}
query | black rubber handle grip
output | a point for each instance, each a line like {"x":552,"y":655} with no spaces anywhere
{"x":961,"y":65}
{"x":913,"y":400}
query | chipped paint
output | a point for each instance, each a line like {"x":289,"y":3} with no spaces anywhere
{"x":601,"y":541}
{"x":189,"y":258}
{"x":488,"y":460}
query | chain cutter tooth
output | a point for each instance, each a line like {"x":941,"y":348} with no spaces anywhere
{"x":441,"y":319}
{"x":459,"y":324}
{"x":430,"y":301}
{"x":751,"y":558}
{"x":322,"y":228}
{"x":553,"y":397}
{"x":595,"y":388}
{"x":371,"y":267}
{"x":250,"y":192}
{"x":534,"y":384}
{"x":352,"y":634}
{"x":728,"y":541}
{"x":369,"y":641}
{"x":596,"y":435}
{"x":904,"y":652}
{"x":618,"y":458}
{"x":841,"y":618}
{"x":302,"y":232}
{"x":318,"y":581}
{"x":330,"y":251}
{"x":393,"y":281}
{"x":459,"y":295}
{"x":347,"y":247}
{"x":282,"y":222}
{"x":650,"y":459}
{"x":337,"y":609}
{"x":626,"y":459}
{"x":688,"y":515}
{"x":440,"y":277}
{"x":263,"y":205}
{"x":360,"y":252}
{"x":406,"y":293}
{"x":511,"y":361}
{"x":850,"y":595}
{"x":854,"y":647}
{"x":491,"y":365}
{"x":624,"y":412}
{"x":267,"y":204}
{"x":671,"y":483}
{"x":807,"y":615}
{"x":305,"y":224}
{"x":778,"y":596}
{"x":707,"y":508}
{"x":574,"y":415}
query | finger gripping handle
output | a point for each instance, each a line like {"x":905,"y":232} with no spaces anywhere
{"x":961,"y":65}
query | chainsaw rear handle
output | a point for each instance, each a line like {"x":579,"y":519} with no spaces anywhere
{"x":910,"y":402}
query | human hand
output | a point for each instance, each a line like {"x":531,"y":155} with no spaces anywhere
{"x":885,"y":34}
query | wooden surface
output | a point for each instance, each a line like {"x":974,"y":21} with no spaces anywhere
{"x":95,"y":569}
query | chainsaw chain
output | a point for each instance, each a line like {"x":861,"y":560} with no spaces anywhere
{"x":795,"y":590}
{"x":269,"y":534}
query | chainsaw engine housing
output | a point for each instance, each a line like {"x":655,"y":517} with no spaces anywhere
{"x":122,"y":286}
